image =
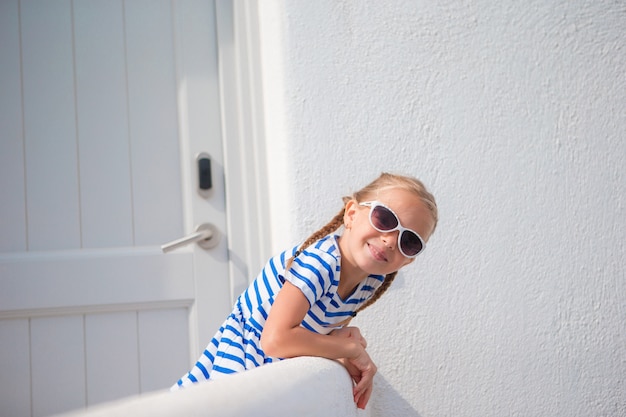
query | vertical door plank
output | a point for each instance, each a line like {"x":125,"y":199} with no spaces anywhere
{"x":200,"y":106}
{"x":14,"y":368}
{"x":12,"y":209}
{"x":153,"y":121}
{"x":50,"y":125}
{"x":112,"y":356}
{"x":58,"y":364}
{"x":105,"y":193}
{"x":163,"y":347}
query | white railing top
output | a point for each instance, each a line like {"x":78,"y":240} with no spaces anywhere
{"x":300,"y":387}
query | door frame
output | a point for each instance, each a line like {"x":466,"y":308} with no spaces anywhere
{"x":243,"y":135}
{"x":240,"y":168}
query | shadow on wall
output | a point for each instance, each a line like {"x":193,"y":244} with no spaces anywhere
{"x":386,"y":401}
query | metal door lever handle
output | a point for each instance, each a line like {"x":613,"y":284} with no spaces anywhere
{"x":206,"y":236}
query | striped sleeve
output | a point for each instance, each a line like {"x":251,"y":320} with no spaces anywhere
{"x":313,"y":272}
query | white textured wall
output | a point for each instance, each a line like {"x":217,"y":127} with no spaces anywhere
{"x":514,"y":114}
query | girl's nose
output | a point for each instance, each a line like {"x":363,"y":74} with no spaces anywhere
{"x":389,"y":239}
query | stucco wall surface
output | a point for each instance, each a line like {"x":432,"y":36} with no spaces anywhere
{"x":513,"y":113}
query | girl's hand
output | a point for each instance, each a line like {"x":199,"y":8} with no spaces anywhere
{"x":350,"y":332}
{"x":362,"y":370}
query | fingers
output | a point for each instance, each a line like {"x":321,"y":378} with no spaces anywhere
{"x":361,"y":369}
{"x":364,"y":382}
{"x":364,"y":397}
{"x":360,"y":397}
{"x":362,"y":394}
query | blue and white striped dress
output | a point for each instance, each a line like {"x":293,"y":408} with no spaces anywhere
{"x":316,"y":272}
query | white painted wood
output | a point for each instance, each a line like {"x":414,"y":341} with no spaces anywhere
{"x":13,"y":221}
{"x":50,"y":125}
{"x":102,"y":120}
{"x":14,"y":368}
{"x":92,"y":278}
{"x":162,"y":334}
{"x":199,"y":111}
{"x":58,"y":364}
{"x":153,"y":121}
{"x":112,"y":356}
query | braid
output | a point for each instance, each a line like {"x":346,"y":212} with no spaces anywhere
{"x":380,"y":291}
{"x":331,"y":226}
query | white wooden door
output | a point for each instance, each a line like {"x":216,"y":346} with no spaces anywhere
{"x":104,"y":105}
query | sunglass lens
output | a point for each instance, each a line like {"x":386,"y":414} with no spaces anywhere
{"x":383,"y":219}
{"x":410,"y":243}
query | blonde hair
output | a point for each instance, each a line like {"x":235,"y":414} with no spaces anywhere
{"x":383,"y":182}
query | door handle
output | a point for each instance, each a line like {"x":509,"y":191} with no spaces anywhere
{"x":207,"y":236}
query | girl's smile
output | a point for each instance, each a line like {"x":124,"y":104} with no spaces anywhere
{"x":377,"y":253}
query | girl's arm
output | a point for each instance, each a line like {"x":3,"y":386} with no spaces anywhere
{"x":283,"y":337}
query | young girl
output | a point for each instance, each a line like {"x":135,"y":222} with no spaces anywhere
{"x":302,"y":301}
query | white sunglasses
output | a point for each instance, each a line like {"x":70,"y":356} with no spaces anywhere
{"x":384,"y":220}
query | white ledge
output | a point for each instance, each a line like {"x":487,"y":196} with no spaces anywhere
{"x":300,"y":387}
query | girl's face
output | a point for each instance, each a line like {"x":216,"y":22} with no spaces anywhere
{"x":374,"y":252}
